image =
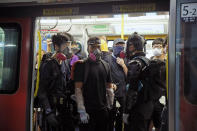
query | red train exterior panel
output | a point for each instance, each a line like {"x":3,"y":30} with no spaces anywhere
{"x":13,"y":106}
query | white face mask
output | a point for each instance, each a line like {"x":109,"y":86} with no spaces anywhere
{"x":157,"y":52}
{"x":165,"y":51}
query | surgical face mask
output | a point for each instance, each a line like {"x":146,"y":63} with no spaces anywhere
{"x":117,"y":50}
{"x":67,"y":52}
{"x":157,"y":52}
{"x":165,"y":50}
{"x":96,"y":55}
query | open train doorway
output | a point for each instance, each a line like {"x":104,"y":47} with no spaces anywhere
{"x":107,"y":27}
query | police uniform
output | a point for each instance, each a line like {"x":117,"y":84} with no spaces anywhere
{"x":53,"y":98}
{"x":137,"y":105}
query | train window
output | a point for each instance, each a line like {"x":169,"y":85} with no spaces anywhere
{"x":110,"y":43}
{"x":10,"y":36}
{"x":149,"y":52}
{"x":190,"y":62}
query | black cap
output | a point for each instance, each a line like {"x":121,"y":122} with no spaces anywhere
{"x":94,"y":40}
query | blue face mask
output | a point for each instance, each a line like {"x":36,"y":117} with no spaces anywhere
{"x":117,"y":50}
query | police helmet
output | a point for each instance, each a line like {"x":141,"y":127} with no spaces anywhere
{"x":137,"y":41}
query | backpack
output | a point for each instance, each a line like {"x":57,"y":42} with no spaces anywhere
{"x":152,"y":78}
{"x":141,"y":99}
{"x":46,"y":57}
{"x":43,"y":62}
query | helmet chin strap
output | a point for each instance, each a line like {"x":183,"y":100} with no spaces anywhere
{"x":133,"y":52}
{"x":138,"y":52}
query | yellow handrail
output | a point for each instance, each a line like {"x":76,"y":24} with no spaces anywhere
{"x":167,"y":75}
{"x":122,"y":27}
{"x":39,"y":60}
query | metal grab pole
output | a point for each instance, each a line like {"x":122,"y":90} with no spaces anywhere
{"x":39,"y":60}
{"x":167,"y":76}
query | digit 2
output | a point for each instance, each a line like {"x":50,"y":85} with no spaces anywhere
{"x":194,"y":13}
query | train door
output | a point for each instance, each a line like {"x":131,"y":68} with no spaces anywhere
{"x":14,"y":73}
{"x":57,"y":19}
{"x":182,"y":66}
{"x":106,"y":26}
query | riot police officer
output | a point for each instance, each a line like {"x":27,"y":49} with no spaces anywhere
{"x":52,"y":94}
{"x":138,"y":108}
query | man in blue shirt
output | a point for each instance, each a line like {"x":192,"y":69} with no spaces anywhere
{"x":119,"y":72}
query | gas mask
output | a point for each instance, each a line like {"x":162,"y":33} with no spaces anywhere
{"x":131,"y":53}
{"x":67,"y":52}
{"x":75,"y":50}
{"x":117,"y":50}
{"x":157,"y":52}
{"x":61,"y":56}
{"x":96,"y":55}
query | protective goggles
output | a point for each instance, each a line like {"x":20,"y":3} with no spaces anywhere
{"x":93,"y":42}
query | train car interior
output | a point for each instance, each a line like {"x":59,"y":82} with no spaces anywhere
{"x":149,"y":25}
{"x":108,"y":27}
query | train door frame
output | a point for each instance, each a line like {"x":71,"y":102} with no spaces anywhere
{"x":13,"y":11}
{"x":172,"y":116}
{"x":72,"y":15}
{"x":182,"y":112}
{"x":31,"y":84}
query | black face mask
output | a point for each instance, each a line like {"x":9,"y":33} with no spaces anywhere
{"x":131,"y":54}
{"x":67,"y":52}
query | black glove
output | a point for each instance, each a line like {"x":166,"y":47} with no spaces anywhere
{"x":51,"y":119}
